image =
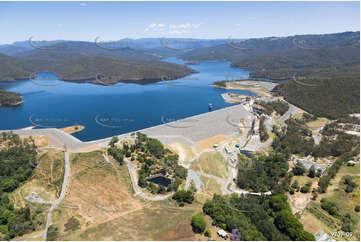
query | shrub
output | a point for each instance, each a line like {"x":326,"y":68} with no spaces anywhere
{"x":198,"y":223}
{"x":305,"y":189}
{"x":208,"y":233}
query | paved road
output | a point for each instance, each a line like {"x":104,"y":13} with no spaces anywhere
{"x":290,"y":112}
{"x":56,"y":203}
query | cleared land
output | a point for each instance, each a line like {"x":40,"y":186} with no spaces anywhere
{"x":73,"y":129}
{"x":318,"y":123}
{"x":212,"y":163}
{"x":100,"y":205}
{"x":208,"y":143}
{"x":46,"y":180}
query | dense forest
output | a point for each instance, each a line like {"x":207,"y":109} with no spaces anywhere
{"x":256,"y":218}
{"x":17,"y":161}
{"x":263,"y":173}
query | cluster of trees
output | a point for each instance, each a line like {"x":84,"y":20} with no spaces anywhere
{"x":18,"y":158}
{"x":220,"y":83}
{"x":324,"y":181}
{"x":279,"y":106}
{"x":264,"y":174}
{"x":335,"y":147}
{"x":350,"y":184}
{"x":183,"y":197}
{"x":263,"y":130}
{"x":256,"y":218}
{"x":295,"y":139}
{"x":154,"y":159}
{"x":330,"y":207}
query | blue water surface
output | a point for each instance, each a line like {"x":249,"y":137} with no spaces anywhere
{"x":112,"y":110}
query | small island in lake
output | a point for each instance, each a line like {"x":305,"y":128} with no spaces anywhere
{"x":10,"y":99}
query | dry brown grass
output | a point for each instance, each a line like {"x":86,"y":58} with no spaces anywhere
{"x":40,"y":141}
{"x":318,"y":123}
{"x":208,"y":143}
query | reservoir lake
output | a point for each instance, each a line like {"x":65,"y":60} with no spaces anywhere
{"x":112,"y":110}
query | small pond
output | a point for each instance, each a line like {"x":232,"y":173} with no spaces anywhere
{"x":160,"y":180}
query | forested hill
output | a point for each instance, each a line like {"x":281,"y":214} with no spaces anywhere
{"x":78,"y":61}
{"x":319,"y":73}
{"x":300,"y":51}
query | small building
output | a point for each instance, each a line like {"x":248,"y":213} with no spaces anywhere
{"x":322,"y":236}
{"x":228,"y":151}
{"x":237,"y":145}
{"x":351,"y":163}
{"x":222,"y":233}
{"x":215,"y":146}
{"x":308,"y":162}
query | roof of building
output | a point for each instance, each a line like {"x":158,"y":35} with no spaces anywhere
{"x":222,"y":233}
{"x":322,"y":236}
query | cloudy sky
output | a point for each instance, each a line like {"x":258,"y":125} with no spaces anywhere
{"x":117,"y":20}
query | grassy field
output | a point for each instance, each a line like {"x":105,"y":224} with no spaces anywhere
{"x":316,"y":124}
{"x":211,"y":163}
{"x":210,"y":186}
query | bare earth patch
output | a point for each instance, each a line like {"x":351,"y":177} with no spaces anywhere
{"x":73,"y":129}
{"x":208,"y":143}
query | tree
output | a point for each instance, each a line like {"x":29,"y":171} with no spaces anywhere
{"x":113,"y":141}
{"x":183,"y":196}
{"x":198,"y":223}
{"x":312,"y":172}
{"x":357,"y":208}
{"x":208,"y":233}
{"x":295,"y":185}
{"x":298,"y":169}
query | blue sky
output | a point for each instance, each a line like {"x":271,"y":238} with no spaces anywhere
{"x":117,"y":20}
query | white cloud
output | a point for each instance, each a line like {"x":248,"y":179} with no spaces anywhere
{"x":155,"y":26}
{"x":178,"y":32}
{"x":59,"y":25}
{"x":184,"y":26}
{"x":172,"y":28}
